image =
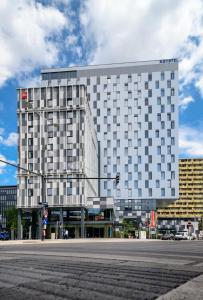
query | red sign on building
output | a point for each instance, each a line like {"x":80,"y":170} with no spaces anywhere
{"x":152,"y":219}
{"x":23,"y":95}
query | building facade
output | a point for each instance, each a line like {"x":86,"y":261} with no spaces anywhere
{"x":189,"y":206}
{"x":135,"y":110}
{"x":56,"y":139}
{"x":8,"y":199}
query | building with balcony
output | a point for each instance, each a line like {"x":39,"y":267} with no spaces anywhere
{"x":189,"y":206}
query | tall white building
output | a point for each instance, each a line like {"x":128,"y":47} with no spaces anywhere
{"x":135,"y":109}
{"x":56,"y":139}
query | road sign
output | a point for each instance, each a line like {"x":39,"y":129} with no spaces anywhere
{"x":45,"y":213}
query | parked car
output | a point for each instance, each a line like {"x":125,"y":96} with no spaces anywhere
{"x":167,"y":237}
{"x":180,"y":236}
{"x":4,"y":235}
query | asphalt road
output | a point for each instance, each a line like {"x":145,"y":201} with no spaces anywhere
{"x":99,"y":269}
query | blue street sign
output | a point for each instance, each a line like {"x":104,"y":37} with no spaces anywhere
{"x":45,"y":221}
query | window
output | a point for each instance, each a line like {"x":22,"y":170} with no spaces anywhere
{"x":126,"y":87}
{"x":129,"y":95}
{"x":129,"y":143}
{"x":118,"y":143}
{"x":30,"y":192}
{"x":172,"y":141}
{"x":150,"y":109}
{"x":172,"y":108}
{"x":172,"y":192}
{"x":139,"y":159}
{"x":162,"y":92}
{"x":158,"y":117}
{"x":168,"y":84}
{"x":130,"y":160}
{"x":150,"y":192}
{"x":172,"y":158}
{"x":162,"y":125}
{"x":30,"y":154}
{"x":159,"y":167}
{"x":118,"y":95}
{"x":168,"y":117}
{"x":139,"y":193}
{"x":162,"y":192}
{"x":114,"y":87}
{"x":168,"y":166}
{"x":162,"y":158}
{"x":159,"y":150}
{"x":158,"y":100}
{"x":168,"y":133}
{"x":150,"y":142}
{"x":139,"y":142}
{"x":129,"y":193}
{"x":130,"y":110}
{"x":172,"y":124}
{"x":135,"y":184}
{"x":146,"y":85}
{"x":172,"y":92}
{"x":146,"y":101}
{"x":162,"y":175}
{"x":157,"y":184}
{"x":118,"y":111}
{"x":126,"y":168}
{"x":118,"y":193}
{"x":162,"y":108}
{"x":146,"y":183}
{"x":149,"y":93}
{"x":157,"y":84}
{"x":114,"y":135}
{"x":172,"y":75}
{"x":135,"y":86}
{"x":169,"y":150}
{"x":105,"y":87}
{"x":157,"y":133}
{"x":114,"y":103}
{"x":49,"y":192}
{"x":129,"y":176}
{"x":162,"y":76}
{"x":105,"y":103}
{"x":135,"y":168}
{"x":149,"y":77}
{"x":126,"y":103}
{"x":172,"y":175}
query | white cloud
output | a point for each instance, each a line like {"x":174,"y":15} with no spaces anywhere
{"x":190,"y":142}
{"x":2,"y":165}
{"x":12,"y":140}
{"x":184,"y":102}
{"x":28,"y":36}
{"x":133,"y":30}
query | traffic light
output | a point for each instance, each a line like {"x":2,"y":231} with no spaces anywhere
{"x":117,"y":179}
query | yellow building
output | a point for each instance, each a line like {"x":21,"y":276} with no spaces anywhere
{"x":190,"y":202}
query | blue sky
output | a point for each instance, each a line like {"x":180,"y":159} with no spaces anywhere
{"x":59,"y":33}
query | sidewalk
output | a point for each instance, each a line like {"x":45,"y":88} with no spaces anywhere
{"x":73,"y":241}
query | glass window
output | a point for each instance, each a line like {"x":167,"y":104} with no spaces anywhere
{"x":162,"y":192}
{"x":157,"y":84}
{"x":162,"y":76}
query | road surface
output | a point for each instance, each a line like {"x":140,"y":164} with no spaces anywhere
{"x":101,"y":269}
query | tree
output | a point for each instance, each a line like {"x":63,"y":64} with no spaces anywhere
{"x":11,"y":218}
{"x":128,"y":228}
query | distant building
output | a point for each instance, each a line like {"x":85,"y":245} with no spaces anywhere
{"x":8,"y":199}
{"x":189,"y":206}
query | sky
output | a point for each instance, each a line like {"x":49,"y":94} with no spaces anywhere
{"x":60,"y":33}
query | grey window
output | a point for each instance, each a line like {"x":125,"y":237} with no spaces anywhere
{"x":149,"y":77}
{"x":157,"y":84}
{"x":172,"y":192}
{"x":146,"y":151}
{"x":162,"y":108}
{"x":168,"y":100}
{"x":146,"y":118}
{"x":162,"y":158}
{"x":162,"y":92}
{"x":146,"y":133}
{"x":162,"y":125}
{"x":159,"y":150}
{"x":158,"y":117}
{"x":162,"y":76}
{"x":146,"y":101}
{"x":157,"y":183}
{"x":172,"y":107}
{"x":172,"y":124}
{"x":135,"y":168}
{"x":162,"y":175}
{"x":162,"y":192}
{"x":149,"y":93}
{"x":159,"y":167}
{"x":168,"y":84}
{"x":172,"y":92}
{"x":49,"y":192}
{"x":150,"y":159}
{"x":172,"y":75}
{"x":146,"y":183}
{"x":150,"y":109}
{"x":139,"y":193}
{"x":150,"y":142}
{"x":172,"y":141}
{"x":168,"y":117}
{"x":146,"y":85}
{"x":162,"y":141}
{"x":158,"y":100}
{"x":150,"y":192}
{"x":135,"y":184}
{"x":157,"y":133}
{"x":150,"y":125}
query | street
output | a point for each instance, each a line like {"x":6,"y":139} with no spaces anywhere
{"x":101,"y":269}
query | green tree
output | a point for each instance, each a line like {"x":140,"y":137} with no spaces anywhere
{"x":128,"y":228}
{"x":12,"y":218}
